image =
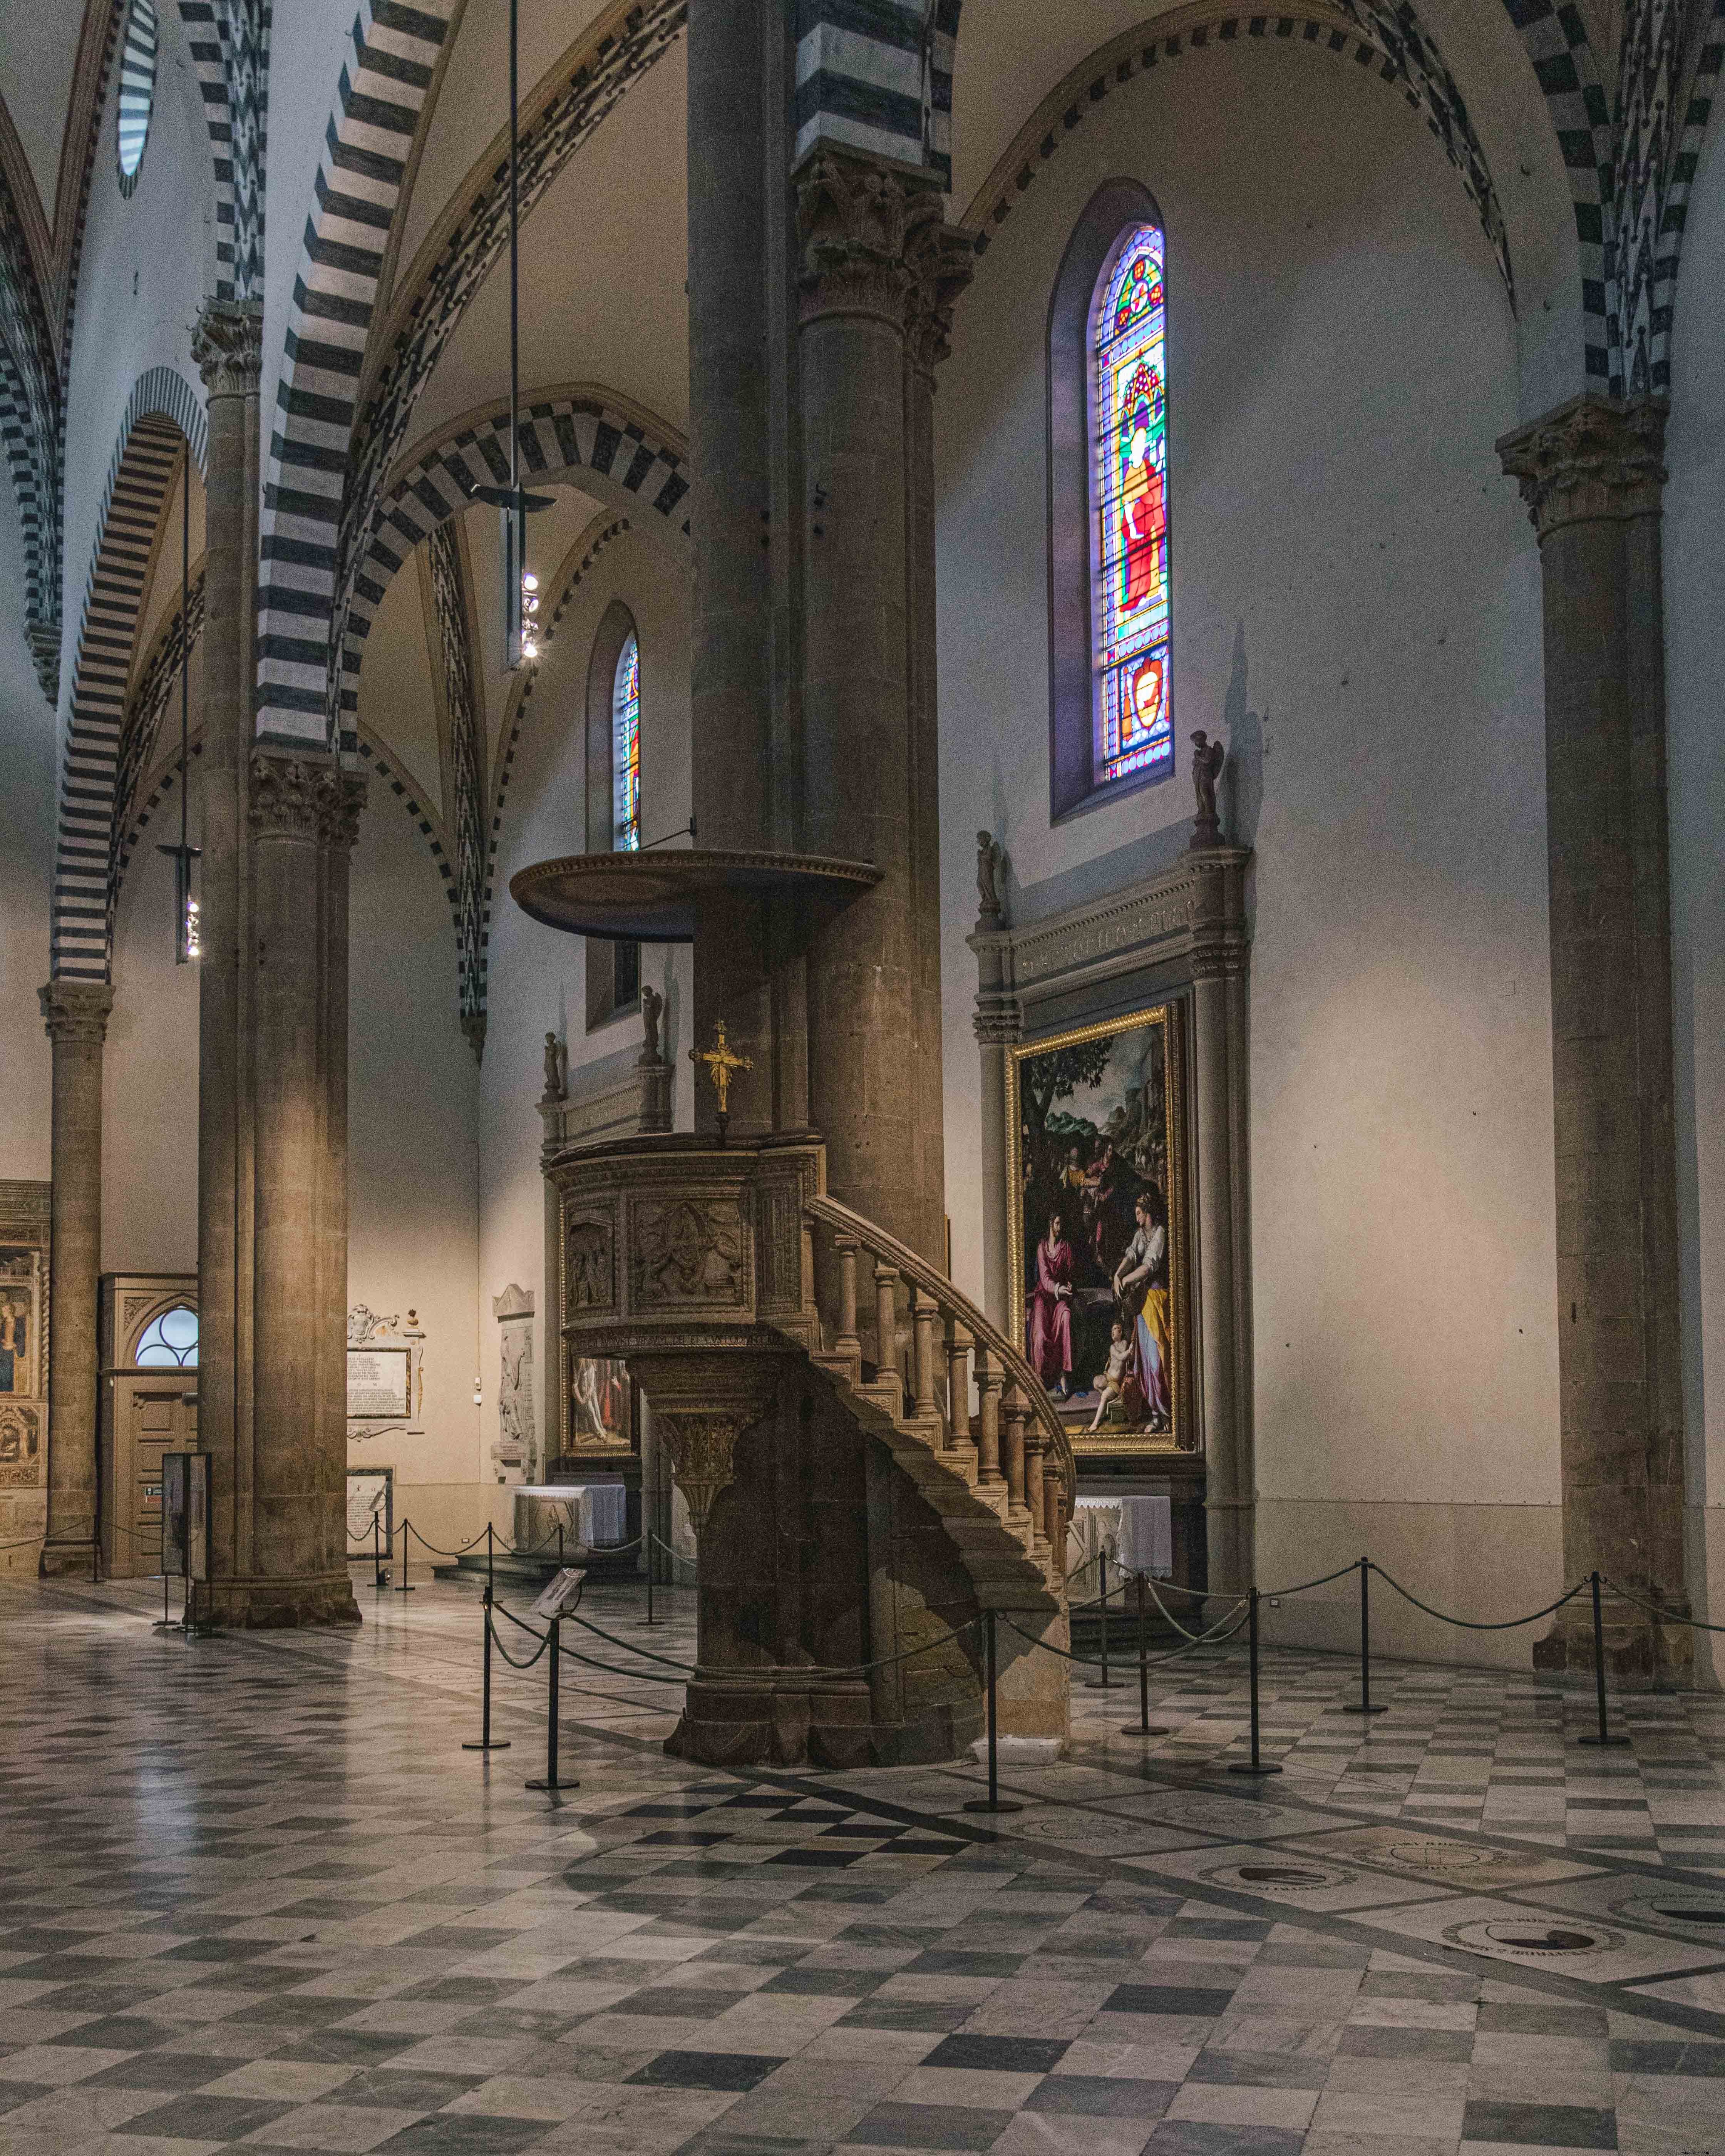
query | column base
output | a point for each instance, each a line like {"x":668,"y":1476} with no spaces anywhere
{"x":1641,"y":1652}
{"x":68,"y":1559}
{"x":778,"y":1719}
{"x":260,"y":1604}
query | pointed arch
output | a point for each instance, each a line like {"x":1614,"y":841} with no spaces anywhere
{"x":164,"y":421}
{"x":230,"y":44}
{"x":581,"y":434}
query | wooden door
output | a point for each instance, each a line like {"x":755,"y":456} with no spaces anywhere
{"x":152,"y":1417}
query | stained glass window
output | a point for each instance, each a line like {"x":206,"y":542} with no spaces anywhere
{"x":137,"y":89}
{"x":626,"y":750}
{"x":1129,"y":579}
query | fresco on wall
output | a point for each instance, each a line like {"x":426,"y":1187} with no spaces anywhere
{"x":18,"y":1326}
{"x":1095,"y":1147}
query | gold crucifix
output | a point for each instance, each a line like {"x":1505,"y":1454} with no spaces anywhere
{"x":722,"y":1061}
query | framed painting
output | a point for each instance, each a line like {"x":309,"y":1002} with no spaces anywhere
{"x":601,"y":1405}
{"x":1096,"y":1154}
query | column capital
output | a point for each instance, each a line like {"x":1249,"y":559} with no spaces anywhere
{"x":941,"y":258}
{"x":76,"y":1010}
{"x":855,"y":223}
{"x":296,"y":798}
{"x":227,"y":346}
{"x":1595,"y":459}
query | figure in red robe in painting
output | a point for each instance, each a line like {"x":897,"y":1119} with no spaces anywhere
{"x":1143,"y":519}
{"x":1047,"y":1311}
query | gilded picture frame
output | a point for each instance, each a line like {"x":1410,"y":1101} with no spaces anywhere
{"x":1099,"y":1251}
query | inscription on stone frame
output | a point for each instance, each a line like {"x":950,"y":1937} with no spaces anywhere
{"x":379,"y":1382}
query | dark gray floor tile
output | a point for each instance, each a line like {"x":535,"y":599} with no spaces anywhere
{"x":465,"y":2134}
{"x":1102,"y":2096}
{"x":1191,"y":2137}
{"x":706,"y":2070}
{"x":1288,"y":2070}
{"x":1000,"y":2054}
{"x":929,"y":2126}
{"x":219,"y":2118}
{"x":1540,"y":2125}
{"x":1168,"y":1998}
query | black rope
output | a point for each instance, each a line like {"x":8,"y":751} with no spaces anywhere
{"x":1268,"y":1594}
{"x":629,"y":1647}
{"x":544,"y":1640}
{"x":1215,"y":1638}
{"x":1467,"y":1623}
{"x":409,"y":1528}
{"x":1667,"y":1616}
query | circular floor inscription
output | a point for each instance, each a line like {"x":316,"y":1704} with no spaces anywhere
{"x":1532,"y":1938}
{"x":1695,"y":1915}
{"x":1270,"y":1875}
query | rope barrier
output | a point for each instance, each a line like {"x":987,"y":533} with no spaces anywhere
{"x":629,"y":1646}
{"x":544,"y":1640}
{"x":1468,"y":1623}
{"x":1273,"y":1593}
{"x":1214,"y":1638}
{"x":1668,"y":1616}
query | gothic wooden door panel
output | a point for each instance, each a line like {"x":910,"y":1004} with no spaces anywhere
{"x":153,"y":1418}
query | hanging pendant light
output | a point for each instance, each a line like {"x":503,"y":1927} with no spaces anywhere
{"x":187,"y":939}
{"x":514,"y":504}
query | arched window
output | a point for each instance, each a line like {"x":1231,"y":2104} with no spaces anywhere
{"x":1111,"y":654}
{"x":137,"y":89}
{"x":171,"y":1342}
{"x":1129,"y":523}
{"x":626,"y":749}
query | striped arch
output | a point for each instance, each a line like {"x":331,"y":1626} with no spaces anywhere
{"x":877,"y":80}
{"x":229,"y":42}
{"x":163,"y":415}
{"x":1388,"y":44}
{"x":326,"y":476}
{"x":586,"y":436}
{"x":140,"y":730}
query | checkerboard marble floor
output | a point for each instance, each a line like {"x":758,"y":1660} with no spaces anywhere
{"x":253,"y":1895}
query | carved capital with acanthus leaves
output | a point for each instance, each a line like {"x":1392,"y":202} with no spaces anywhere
{"x":293,"y":797}
{"x":76,"y":1011}
{"x":227,"y":346}
{"x":941,"y":260}
{"x":702,"y":1403}
{"x":1594,"y":459}
{"x":854,"y":222}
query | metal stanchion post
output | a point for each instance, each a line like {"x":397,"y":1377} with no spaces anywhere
{"x":1255,"y":1765}
{"x":1605,"y":1736}
{"x":994,"y":1802}
{"x":406,"y":1529}
{"x":1143,"y":1726}
{"x":1105,"y":1683}
{"x":651,"y":1560}
{"x":379,"y":1580}
{"x":486,"y":1741}
{"x":551,"y":1781}
{"x":1365,"y":1705}
{"x":560,"y":1545}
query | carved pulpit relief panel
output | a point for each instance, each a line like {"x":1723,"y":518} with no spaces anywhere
{"x":689,"y":1253}
{"x":515,"y":1456}
{"x":386,"y":1375}
{"x":589,"y":1257}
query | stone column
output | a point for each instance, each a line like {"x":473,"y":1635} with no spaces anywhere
{"x":1221,"y":1276}
{"x":856,"y":225}
{"x":228,"y":346}
{"x":1592,"y":474}
{"x":76,"y":1015}
{"x":999,"y":1026}
{"x":942,"y":260}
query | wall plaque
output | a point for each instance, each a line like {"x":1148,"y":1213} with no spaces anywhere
{"x":379,"y":1382}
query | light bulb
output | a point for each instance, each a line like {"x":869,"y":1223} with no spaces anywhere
{"x":529,"y":583}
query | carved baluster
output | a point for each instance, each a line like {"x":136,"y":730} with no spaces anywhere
{"x":886,"y":1321}
{"x":847,"y":1342}
{"x":989,"y":1382}
{"x":923,"y":1316}
{"x":1034,"y":1443}
{"x":805,"y":1286}
{"x":958,"y":1347}
{"x":1012,"y":1416}
{"x":1054,"y":1490}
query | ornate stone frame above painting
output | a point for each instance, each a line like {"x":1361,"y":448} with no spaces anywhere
{"x":1096,"y":1141}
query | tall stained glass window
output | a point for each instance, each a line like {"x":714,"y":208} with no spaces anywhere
{"x":1129,"y":560}
{"x":626,"y":750}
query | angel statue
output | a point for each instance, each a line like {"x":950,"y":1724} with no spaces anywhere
{"x":652,"y":1009}
{"x":555,"y":1088}
{"x":1208,"y":757}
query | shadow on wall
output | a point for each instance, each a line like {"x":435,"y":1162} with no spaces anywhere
{"x":1244,"y":770}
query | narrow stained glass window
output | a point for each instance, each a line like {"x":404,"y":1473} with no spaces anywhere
{"x":1129,"y":560}
{"x":626,"y":750}
{"x":137,"y":89}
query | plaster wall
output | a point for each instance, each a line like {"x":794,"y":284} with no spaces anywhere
{"x":413,"y":1160}
{"x":537,"y":981}
{"x":148,"y":263}
{"x":1695,"y":654}
{"x":1357,"y":610}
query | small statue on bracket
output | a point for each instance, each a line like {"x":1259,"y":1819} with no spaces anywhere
{"x":555,"y":1085}
{"x":652,"y":1009}
{"x":988,"y":858}
{"x":1208,"y":757}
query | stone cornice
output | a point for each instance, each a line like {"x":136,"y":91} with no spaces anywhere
{"x":76,"y":1010}
{"x":1595,"y":459}
{"x":1192,"y":915}
{"x":227,"y":346}
{"x":856,"y":223}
